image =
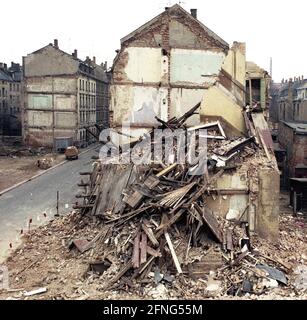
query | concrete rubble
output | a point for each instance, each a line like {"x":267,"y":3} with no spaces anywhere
{"x":46,"y":260}
{"x":153,"y":230}
{"x":160,"y":222}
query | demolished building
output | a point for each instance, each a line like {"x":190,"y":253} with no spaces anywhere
{"x":172,"y":79}
{"x":161,"y":216}
{"x":170,"y":64}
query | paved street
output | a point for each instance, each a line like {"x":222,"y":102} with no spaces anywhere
{"x":34,"y":198}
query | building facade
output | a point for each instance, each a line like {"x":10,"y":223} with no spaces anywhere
{"x":257,"y":86}
{"x":288,"y":119}
{"x":170,"y":64}
{"x":61,"y":95}
{"x":292,"y":136}
{"x":10,"y":99}
{"x":290,"y":101}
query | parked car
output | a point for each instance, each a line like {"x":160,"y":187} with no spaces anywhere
{"x":71,"y":153}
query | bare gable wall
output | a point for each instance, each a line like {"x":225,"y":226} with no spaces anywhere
{"x":164,"y":68}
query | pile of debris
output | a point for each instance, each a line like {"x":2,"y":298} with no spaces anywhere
{"x":15,"y":151}
{"x":160,"y":224}
{"x":45,"y":163}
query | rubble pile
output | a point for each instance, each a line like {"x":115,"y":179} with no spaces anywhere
{"x":160,"y":227}
{"x":48,"y":259}
{"x":15,"y":151}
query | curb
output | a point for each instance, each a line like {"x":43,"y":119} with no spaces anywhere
{"x":41,"y":173}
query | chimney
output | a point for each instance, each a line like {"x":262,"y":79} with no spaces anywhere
{"x":166,"y":8}
{"x":75,"y":53}
{"x":5,"y":66}
{"x":1,"y":65}
{"x":194,"y":13}
{"x":94,"y":59}
{"x":56,"y":43}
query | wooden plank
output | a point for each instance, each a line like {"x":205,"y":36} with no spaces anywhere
{"x":174,"y":256}
{"x":171,"y":221}
{"x":136,"y":251}
{"x":133,"y":199}
{"x":126,"y":217}
{"x":150,"y":235}
{"x":212,"y":223}
{"x":166,"y":170}
{"x":151,"y":182}
{"x":129,"y":265}
{"x":143,"y":247}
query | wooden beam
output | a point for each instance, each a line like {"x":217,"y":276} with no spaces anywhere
{"x":174,"y":256}
{"x":143,"y":248}
{"x":150,"y":235}
{"x":166,"y":170}
{"x":136,"y":251}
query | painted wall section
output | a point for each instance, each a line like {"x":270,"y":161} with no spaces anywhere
{"x":235,"y":62}
{"x":139,"y":105}
{"x":39,"y":119}
{"x":144,"y":64}
{"x":39,"y":101}
{"x":183,"y":100}
{"x":222,"y":204}
{"x":195,"y":66}
{"x":217,"y":103}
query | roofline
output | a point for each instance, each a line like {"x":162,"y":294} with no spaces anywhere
{"x":209,"y":31}
{"x":52,"y":46}
{"x":302,"y":133}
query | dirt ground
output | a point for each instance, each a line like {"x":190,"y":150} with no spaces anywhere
{"x":16,"y":169}
{"x":44,"y":261}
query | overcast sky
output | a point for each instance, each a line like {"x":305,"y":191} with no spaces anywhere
{"x":270,"y":28}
